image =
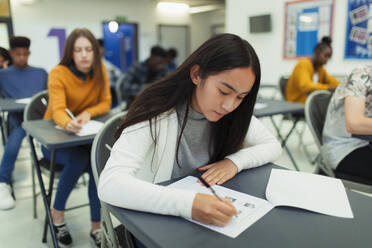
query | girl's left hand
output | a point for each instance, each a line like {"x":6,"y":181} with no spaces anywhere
{"x":83,"y":117}
{"x":219,"y":172}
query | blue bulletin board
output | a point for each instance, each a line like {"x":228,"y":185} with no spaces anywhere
{"x":358,"y":44}
{"x":121,"y":47}
{"x":306,"y":22}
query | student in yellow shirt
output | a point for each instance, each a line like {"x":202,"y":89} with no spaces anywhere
{"x":310,"y":75}
{"x":79,"y":83}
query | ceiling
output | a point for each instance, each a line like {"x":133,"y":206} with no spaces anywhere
{"x":197,"y":3}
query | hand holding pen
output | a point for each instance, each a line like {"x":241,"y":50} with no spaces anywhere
{"x":73,"y":126}
{"x":212,"y":209}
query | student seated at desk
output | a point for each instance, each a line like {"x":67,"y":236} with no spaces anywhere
{"x":198,"y":118}
{"x":350,"y":112}
{"x":17,"y":81}
{"x":309,"y":74}
{"x":79,"y":83}
{"x":141,"y":74}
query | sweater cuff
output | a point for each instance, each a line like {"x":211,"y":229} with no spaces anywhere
{"x":64,"y":123}
{"x":235,"y":159}
{"x":185,"y":204}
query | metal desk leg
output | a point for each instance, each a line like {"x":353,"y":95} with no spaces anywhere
{"x":2,"y":124}
{"x":42,"y":191}
{"x":284,"y":140}
{"x":50,"y":192}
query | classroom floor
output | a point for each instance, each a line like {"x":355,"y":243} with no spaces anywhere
{"x":18,"y":228}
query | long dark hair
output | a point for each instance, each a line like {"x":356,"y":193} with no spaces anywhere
{"x":221,"y":52}
{"x":67,"y":58}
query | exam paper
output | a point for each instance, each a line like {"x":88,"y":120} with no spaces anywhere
{"x":316,"y":193}
{"x":89,"y":128}
{"x":23,"y":100}
{"x":249,"y":208}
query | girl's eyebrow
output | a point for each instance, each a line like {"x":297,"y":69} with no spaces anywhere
{"x":232,"y":88}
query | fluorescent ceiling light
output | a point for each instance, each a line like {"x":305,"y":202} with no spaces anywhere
{"x":172,"y":7}
{"x":205,"y":8}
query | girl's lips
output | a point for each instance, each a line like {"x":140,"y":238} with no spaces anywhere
{"x":219,"y":114}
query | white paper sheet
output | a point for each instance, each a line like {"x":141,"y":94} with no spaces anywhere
{"x":259,"y":105}
{"x":89,"y":128}
{"x":249,"y":208}
{"x":23,"y":100}
{"x":316,"y":193}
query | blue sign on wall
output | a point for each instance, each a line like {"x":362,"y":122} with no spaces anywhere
{"x":358,"y":44}
{"x":121,"y":47}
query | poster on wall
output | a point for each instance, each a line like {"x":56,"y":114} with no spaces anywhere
{"x":358,"y":44}
{"x":121,"y":46}
{"x":306,"y":22}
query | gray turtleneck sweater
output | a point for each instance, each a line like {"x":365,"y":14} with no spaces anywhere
{"x":194,"y":146}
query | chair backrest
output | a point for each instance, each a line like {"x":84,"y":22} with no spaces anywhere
{"x":37,"y":106}
{"x":119,"y":89}
{"x":283,"y":80}
{"x":315,"y":113}
{"x":102,"y":144}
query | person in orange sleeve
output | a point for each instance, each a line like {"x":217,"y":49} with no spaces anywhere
{"x":80,"y":84}
{"x":310,"y":75}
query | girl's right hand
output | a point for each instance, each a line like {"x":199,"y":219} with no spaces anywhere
{"x":73,"y":126}
{"x":208,"y":209}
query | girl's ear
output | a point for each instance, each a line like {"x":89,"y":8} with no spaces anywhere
{"x":194,"y":74}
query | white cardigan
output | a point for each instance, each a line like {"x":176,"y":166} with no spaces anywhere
{"x":132,"y":169}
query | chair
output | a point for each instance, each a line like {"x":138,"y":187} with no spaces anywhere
{"x":119,"y":92}
{"x":35,"y":110}
{"x":103,"y":141}
{"x":283,"y":81}
{"x":315,"y":114}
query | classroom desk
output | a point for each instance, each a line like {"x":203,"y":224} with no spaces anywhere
{"x":280,"y":107}
{"x":11,"y":106}
{"x":46,"y":134}
{"x":281,"y":227}
{"x":267,"y":87}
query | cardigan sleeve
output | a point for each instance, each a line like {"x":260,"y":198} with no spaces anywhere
{"x":260,"y":147}
{"x":57,"y":98}
{"x":119,"y":186}
{"x":328,"y":79}
{"x":304,"y":79}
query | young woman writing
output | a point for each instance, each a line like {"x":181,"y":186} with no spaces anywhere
{"x":80,"y":84}
{"x":198,"y":117}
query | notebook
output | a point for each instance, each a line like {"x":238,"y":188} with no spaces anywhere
{"x":89,"y":128}
{"x":316,"y":193}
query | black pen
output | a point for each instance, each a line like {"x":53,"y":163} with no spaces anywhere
{"x":210,"y":187}
{"x":213,"y":191}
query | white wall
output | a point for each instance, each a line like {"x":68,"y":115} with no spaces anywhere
{"x":35,"y":21}
{"x":269,"y":46}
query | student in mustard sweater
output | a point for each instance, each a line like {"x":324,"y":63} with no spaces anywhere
{"x":200,"y":117}
{"x":309,"y":74}
{"x":79,"y":83}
